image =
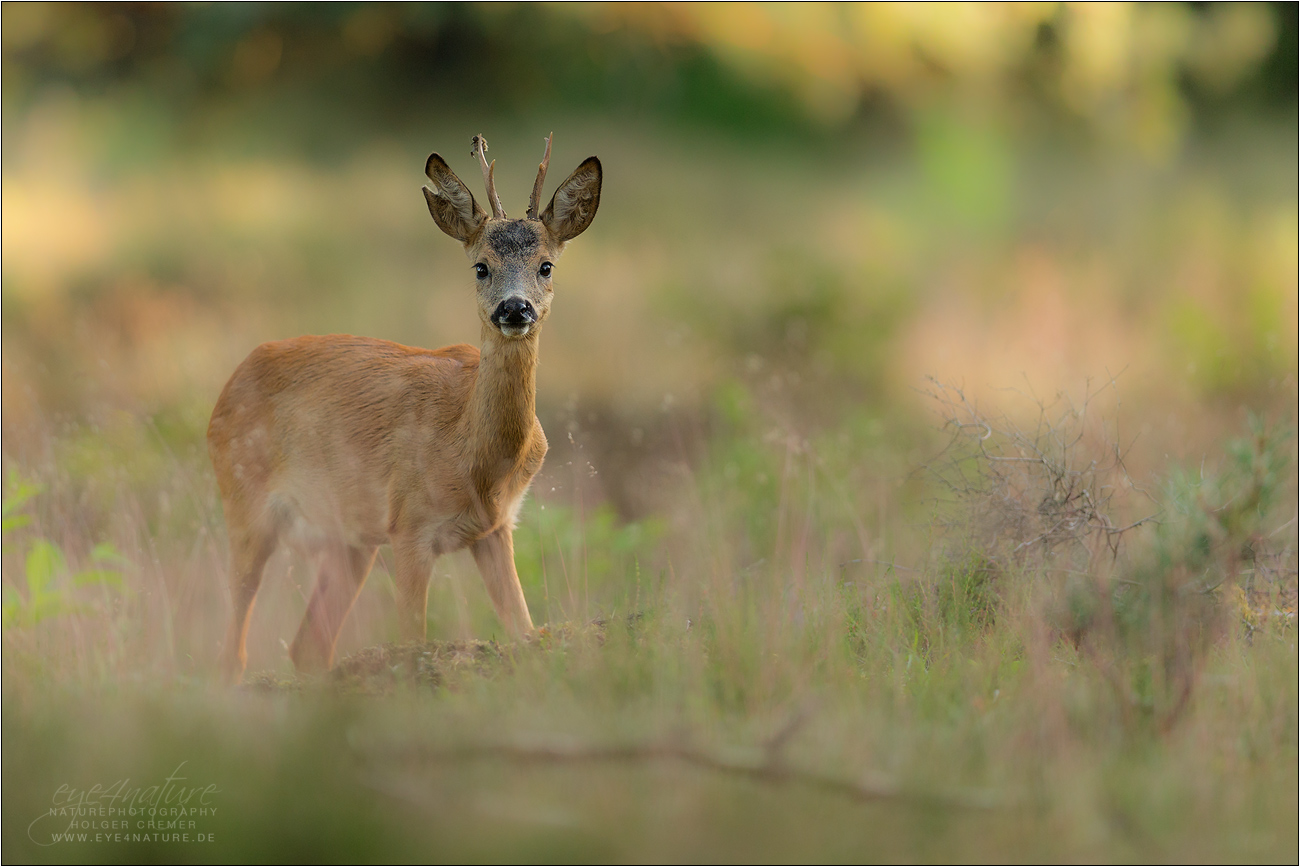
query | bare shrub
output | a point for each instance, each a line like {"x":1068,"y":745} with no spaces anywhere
{"x":1051,"y":495}
{"x":1054,"y":500}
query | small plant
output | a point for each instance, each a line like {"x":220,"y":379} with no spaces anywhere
{"x":16,"y":496}
{"x":1222,"y":526}
{"x":49,"y":583}
{"x":1220,"y":543}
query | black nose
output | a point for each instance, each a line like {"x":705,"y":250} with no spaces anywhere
{"x":514,"y":311}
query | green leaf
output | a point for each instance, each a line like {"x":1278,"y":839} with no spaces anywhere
{"x":19,"y":493}
{"x":44,"y":562}
{"x":98,"y":576}
{"x":13,"y":522}
{"x":104,"y":552}
{"x":49,"y":605}
{"x":12,"y":607}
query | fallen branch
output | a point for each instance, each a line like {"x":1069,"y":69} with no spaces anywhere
{"x":761,"y":767}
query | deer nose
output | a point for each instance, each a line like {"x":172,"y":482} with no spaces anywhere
{"x":514,"y":311}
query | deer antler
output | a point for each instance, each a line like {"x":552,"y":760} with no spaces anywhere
{"x":535,"y":200}
{"x":479,"y":144}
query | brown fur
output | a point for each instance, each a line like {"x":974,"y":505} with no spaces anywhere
{"x":337,"y":444}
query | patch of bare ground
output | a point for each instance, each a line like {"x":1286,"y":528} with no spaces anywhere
{"x":381,"y":669}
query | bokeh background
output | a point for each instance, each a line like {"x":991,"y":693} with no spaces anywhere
{"x":807,"y":210}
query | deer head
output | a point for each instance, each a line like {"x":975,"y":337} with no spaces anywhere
{"x":513,"y":259}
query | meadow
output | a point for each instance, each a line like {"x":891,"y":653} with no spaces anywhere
{"x":922,"y":481}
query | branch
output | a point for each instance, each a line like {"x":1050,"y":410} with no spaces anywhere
{"x":748,"y":765}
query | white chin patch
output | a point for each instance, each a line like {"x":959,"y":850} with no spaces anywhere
{"x":516,"y":330}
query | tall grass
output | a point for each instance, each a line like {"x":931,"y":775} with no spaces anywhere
{"x":771,"y":680}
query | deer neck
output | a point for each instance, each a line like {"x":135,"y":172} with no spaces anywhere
{"x":503,"y":408}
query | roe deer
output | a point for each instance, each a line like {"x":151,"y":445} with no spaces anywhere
{"x":341,"y":443}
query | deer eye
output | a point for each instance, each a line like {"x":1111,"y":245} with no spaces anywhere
{"x":545,"y":270}
{"x":481,"y":271}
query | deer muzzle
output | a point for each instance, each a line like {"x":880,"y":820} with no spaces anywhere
{"x":514,"y":316}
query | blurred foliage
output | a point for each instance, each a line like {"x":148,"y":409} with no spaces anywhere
{"x":17,"y":493}
{"x":1128,"y":71}
{"x":868,"y":188}
{"x":591,"y":557}
{"x":1221,"y":547}
{"x":48,"y":591}
{"x":51,"y":587}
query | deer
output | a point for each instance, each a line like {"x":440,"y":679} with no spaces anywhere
{"x":338,"y":444}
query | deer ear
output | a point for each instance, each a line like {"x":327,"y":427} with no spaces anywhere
{"x":574,"y":204}
{"x":450,"y":201}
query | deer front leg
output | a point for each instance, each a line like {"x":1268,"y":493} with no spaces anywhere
{"x":414,"y":567}
{"x":495,"y":556}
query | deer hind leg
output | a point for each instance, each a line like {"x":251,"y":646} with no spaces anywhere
{"x":249,"y":551}
{"x":495,"y":556}
{"x":343,"y":571}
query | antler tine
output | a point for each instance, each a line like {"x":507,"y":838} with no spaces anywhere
{"x":479,"y":144}
{"x":535,"y":200}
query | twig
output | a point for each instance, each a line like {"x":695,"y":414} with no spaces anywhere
{"x":1281,"y":528}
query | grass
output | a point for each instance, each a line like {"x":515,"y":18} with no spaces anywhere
{"x":786,"y":708}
